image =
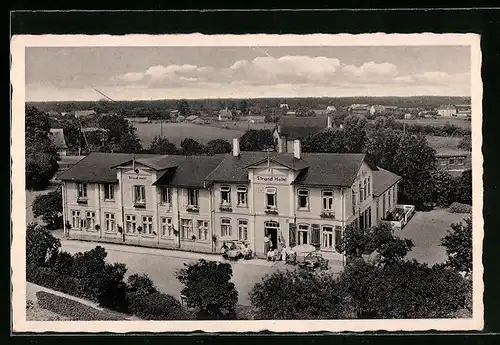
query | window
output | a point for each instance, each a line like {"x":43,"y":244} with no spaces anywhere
{"x":225,"y":227}
{"x":360,"y":188}
{"x":327,"y":237}
{"x":452,"y":161}
{"x":225,"y":195}
{"x":166,"y":227}
{"x":303,"y":234}
{"x":90,"y":219}
{"x":271,"y":197}
{"x":82,"y":190}
{"x":327,"y":196}
{"x":338,"y":237}
{"x":394,"y":195}
{"x":461,"y":161}
{"x":147,"y":225}
{"x":242,"y":230}
{"x":130,"y":224}
{"x":186,"y":229}
{"x":389,"y":198}
{"x":353,"y":198}
{"x":303,"y":198}
{"x":166,"y":197}
{"x":242,"y":196}
{"x":139,"y":194}
{"x":443,"y":162}
{"x":369,"y":186}
{"x":365,"y":189}
{"x":109,"y":222}
{"x":75,"y":220}
{"x":203,"y":230}
{"x":109,"y":191}
{"x":193,"y":197}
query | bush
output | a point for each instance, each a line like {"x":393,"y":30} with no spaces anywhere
{"x":73,"y":309}
{"x":41,"y":246}
{"x":141,"y":284}
{"x":457,"y":207}
{"x":156,"y":306}
{"x":49,"y":207}
{"x":63,"y":263}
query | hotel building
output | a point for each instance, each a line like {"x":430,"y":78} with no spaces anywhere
{"x":197,"y":203}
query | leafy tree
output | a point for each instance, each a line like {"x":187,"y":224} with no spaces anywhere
{"x":121,"y":135}
{"x":49,"y":207}
{"x":191,"y":147}
{"x":41,"y":245}
{"x":458,"y":243}
{"x":380,"y":122}
{"x":162,"y":146}
{"x":382,"y":146}
{"x":326,"y":141}
{"x":464,"y":189}
{"x":141,"y":284}
{"x":257,"y":140}
{"x":41,"y":156}
{"x":218,"y":146}
{"x":465,"y":143}
{"x":296,"y":294}
{"x":207,"y":286}
{"x":183,"y":107}
{"x":243,"y":106}
{"x":444,"y":188}
{"x":63,"y":263}
{"x":130,"y":143}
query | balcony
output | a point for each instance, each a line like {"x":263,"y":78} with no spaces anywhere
{"x":271,"y":210}
{"x":192,"y":209}
{"x":82,"y":200}
{"x":327,"y":214}
{"x":400,"y":216}
{"x":139,"y":204}
{"x":225,"y":207}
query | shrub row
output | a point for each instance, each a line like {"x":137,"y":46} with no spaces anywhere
{"x":73,"y":309}
{"x":457,"y":207}
{"x":156,"y":306}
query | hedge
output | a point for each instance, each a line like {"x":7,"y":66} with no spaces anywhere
{"x":156,"y":306}
{"x":457,"y":207}
{"x":73,"y":309}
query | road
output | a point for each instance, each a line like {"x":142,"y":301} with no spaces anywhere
{"x":161,"y":268}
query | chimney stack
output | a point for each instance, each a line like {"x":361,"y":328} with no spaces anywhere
{"x":236,"y":147}
{"x":329,"y":122}
{"x":296,"y":149}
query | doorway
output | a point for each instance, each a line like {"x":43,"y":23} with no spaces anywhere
{"x":271,"y":230}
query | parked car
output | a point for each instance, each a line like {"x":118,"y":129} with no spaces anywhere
{"x":314,"y":260}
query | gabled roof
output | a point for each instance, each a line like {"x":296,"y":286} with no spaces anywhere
{"x":57,"y":138}
{"x":97,"y":167}
{"x":383,"y":180}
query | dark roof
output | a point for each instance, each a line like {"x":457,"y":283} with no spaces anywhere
{"x":317,"y":169}
{"x":191,"y":171}
{"x":97,"y":167}
{"x":293,"y":127}
{"x":57,"y":138}
{"x":383,"y":180}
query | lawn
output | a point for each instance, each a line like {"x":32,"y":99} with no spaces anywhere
{"x":176,"y":132}
{"x":426,"y":230}
{"x":463,"y":123}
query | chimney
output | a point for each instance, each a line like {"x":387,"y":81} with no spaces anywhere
{"x":329,"y":122}
{"x":296,"y":149}
{"x":236,"y":147}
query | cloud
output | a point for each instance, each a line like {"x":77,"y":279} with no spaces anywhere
{"x":434,"y":78}
{"x":371,"y":70}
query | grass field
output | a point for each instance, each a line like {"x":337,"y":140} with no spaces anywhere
{"x":463,"y":123}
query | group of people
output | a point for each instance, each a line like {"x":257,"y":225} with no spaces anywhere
{"x":234,"y":251}
{"x":279,"y":252}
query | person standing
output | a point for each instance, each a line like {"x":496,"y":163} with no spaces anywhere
{"x":267,"y":243}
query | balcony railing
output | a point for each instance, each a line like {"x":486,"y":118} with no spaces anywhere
{"x":192,"y":208}
{"x":225,"y":208}
{"x":82,"y":200}
{"x":271,"y":210}
{"x":327,"y":214}
{"x":139,"y":204}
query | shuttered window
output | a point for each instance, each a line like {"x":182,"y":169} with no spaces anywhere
{"x":338,"y":237}
{"x":292,"y":234}
{"x":315,"y":235}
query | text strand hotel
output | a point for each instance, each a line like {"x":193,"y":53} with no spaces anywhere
{"x":199,"y":202}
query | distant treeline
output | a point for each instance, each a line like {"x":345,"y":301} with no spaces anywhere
{"x":255,"y":104}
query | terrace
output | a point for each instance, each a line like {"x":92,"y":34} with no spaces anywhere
{"x":400,"y":216}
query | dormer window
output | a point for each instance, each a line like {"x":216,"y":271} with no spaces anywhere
{"x":225,"y":195}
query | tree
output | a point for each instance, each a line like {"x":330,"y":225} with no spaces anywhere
{"x":444,"y":188}
{"x":121,"y":135}
{"x":257,"y":140}
{"x":458,"y":244}
{"x":296,"y":294}
{"x":218,"y":146}
{"x":191,"y":147}
{"x":41,"y":245}
{"x":464,"y":189}
{"x":326,"y":141}
{"x":162,"y":146}
{"x":465,"y":143}
{"x":183,"y":107}
{"x":141,"y":284}
{"x":207,"y":287}
{"x":243,"y":106}
{"x":49,"y":207}
{"x":41,"y":156}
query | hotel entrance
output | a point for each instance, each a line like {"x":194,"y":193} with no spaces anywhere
{"x":271,"y":230}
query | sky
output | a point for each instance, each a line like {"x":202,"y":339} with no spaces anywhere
{"x":147,"y":73}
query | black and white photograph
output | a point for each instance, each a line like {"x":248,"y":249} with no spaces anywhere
{"x":287,"y":182}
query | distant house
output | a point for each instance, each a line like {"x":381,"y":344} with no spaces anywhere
{"x":377,"y":109}
{"x":331,"y":108}
{"x":290,"y":128}
{"x":256,"y":118}
{"x":463,"y":110}
{"x":291,"y":113}
{"x":225,"y":115}
{"x":319,"y":112}
{"x":53,"y":113}
{"x":84,"y":113}
{"x":191,"y":118}
{"x":137,"y":119}
{"x":59,"y":141}
{"x":407,"y":116}
{"x":447,"y":110}
{"x":453,"y":161}
{"x":359,"y":108}
{"x":284,"y":106}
